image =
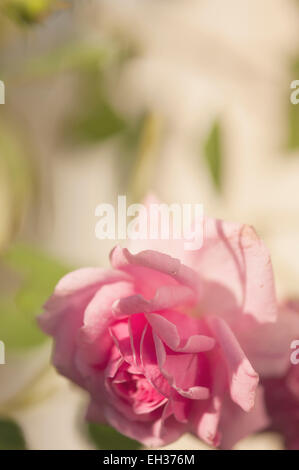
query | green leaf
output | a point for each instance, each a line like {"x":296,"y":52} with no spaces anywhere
{"x":106,"y":438}
{"x":11,"y":436}
{"x":38,"y":275}
{"x":213,"y":155}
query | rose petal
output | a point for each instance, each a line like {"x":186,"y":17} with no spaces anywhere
{"x":168,"y":332}
{"x":158,"y":263}
{"x":165,"y":297}
{"x":236,"y":424}
{"x":237,"y":270}
{"x":94,"y":338}
{"x":243,"y":379}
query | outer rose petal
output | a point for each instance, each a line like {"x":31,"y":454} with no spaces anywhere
{"x":243,"y":379}
{"x":80,"y":284}
{"x":268,"y":346}
{"x":152,"y":434}
{"x":206,"y":414}
{"x":235,"y":424}
{"x":158,"y":263}
{"x":207,"y":421}
{"x":236,"y":267}
{"x":95,"y":413}
{"x":94,"y":338}
{"x":64,"y":312}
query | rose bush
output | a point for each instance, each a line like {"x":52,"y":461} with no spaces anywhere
{"x":164,"y":344}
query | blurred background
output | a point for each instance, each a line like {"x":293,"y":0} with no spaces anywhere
{"x":186,"y":98}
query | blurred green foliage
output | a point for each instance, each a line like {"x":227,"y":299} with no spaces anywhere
{"x":213,"y":154}
{"x":72,"y":56}
{"x":11,"y":436}
{"x":28,"y":12}
{"x":16,"y":181}
{"x":97,"y":123}
{"x":146,"y":154}
{"x":106,"y":438}
{"x":293,"y":113}
{"x":92,"y":118}
{"x":95,"y":119}
{"x":38,"y":274}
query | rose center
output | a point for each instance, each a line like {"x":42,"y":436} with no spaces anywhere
{"x":142,"y":395}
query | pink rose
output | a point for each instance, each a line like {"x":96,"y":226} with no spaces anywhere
{"x":159,"y":342}
{"x":282,"y":393}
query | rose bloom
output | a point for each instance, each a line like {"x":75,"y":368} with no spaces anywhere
{"x":166,"y":345}
{"x":282,"y":393}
